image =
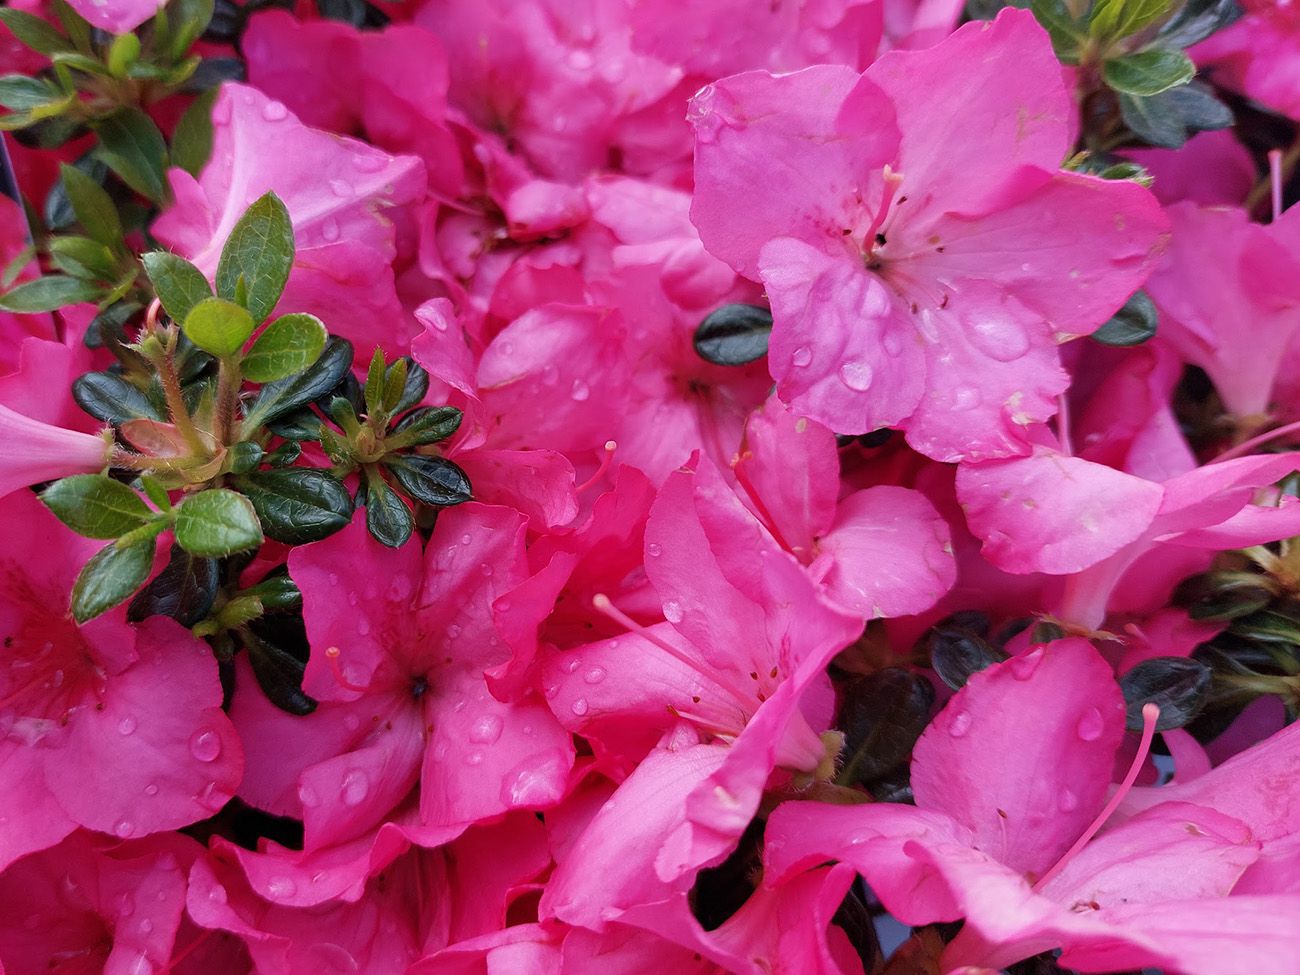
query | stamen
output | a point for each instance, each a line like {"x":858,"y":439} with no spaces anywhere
{"x":610,"y":447}
{"x":1275,"y":180}
{"x":892,"y":181}
{"x":332,"y":658}
{"x":764,"y":515}
{"x":602,"y":604}
{"x":1150,"y":714}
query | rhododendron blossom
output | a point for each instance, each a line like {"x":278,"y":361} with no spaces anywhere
{"x":716,"y":487}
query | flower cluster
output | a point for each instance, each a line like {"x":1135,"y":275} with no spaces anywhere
{"x":625,"y":486}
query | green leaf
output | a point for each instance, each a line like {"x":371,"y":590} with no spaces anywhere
{"x":734,"y":335}
{"x":388,"y":518}
{"x":1066,"y":33}
{"x":286,"y":395}
{"x":431,"y":480}
{"x":192,"y":137}
{"x":84,"y":258}
{"x":260,"y":252}
{"x":131,"y":145}
{"x":49,"y":294}
{"x":1133,"y":324}
{"x":1122,"y":18}
{"x":178,"y":283}
{"x":190,"y":19}
{"x":107,"y":396}
{"x":185,"y":590}
{"x":1168,"y":119}
{"x":217,"y":523}
{"x":74,"y":26}
{"x":122,"y":54}
{"x":374,"y":389}
{"x":218,"y":326}
{"x":882,"y":715}
{"x":394,"y":385}
{"x":92,"y":206}
{"x":20,"y":93}
{"x":298,"y":505}
{"x":279,"y":674}
{"x":1148,"y":72}
{"x":1196,"y":21}
{"x":110,"y":577}
{"x":427,"y":425}
{"x":34,"y":32}
{"x":96,"y":506}
{"x":286,"y":347}
{"x":80,"y":62}
{"x":1177,"y":685}
{"x":414,"y":384}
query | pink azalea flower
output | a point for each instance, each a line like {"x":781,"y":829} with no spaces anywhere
{"x":116,"y":16}
{"x":1070,"y":517}
{"x":334,"y":189}
{"x":1212,"y":169}
{"x":745,"y":635}
{"x":879,"y":552}
{"x":108,"y":726}
{"x":1225,"y":278}
{"x":400,"y":643}
{"x":1259,"y":55}
{"x":1002,"y":836}
{"x":93,"y":904}
{"x":918,"y":279}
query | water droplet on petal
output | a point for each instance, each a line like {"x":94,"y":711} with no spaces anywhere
{"x":466,"y":539}
{"x":1067,"y":801}
{"x":856,"y":376}
{"x":217,"y":894}
{"x":126,"y":726}
{"x":579,"y":391}
{"x":274,"y":111}
{"x":960,"y":724}
{"x":330,"y":230}
{"x":654,"y":550}
{"x":673,"y":611}
{"x":802,"y":356}
{"x":485,"y":569}
{"x":124,"y":828}
{"x":221,"y":112}
{"x":355,"y":788}
{"x":205,"y":746}
{"x":474,"y":758}
{"x":579,"y":707}
{"x":999,"y":338}
{"x":595,"y":675}
{"x":453,"y":631}
{"x":486,"y":729}
{"x":581,"y":60}
{"x":125,"y":904}
{"x":280,"y":887}
{"x":965,"y":398}
{"x":892,"y":343}
{"x":363,"y":626}
{"x":310,"y":797}
{"x":341,"y":188}
{"x":368,"y":162}
{"x":1023,"y":667}
{"x":1090,"y":725}
{"x":151,"y":789}
{"x":146,"y":927}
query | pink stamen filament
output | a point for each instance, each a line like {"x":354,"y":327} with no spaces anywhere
{"x":332,"y":658}
{"x":1275,"y":180}
{"x":764,"y":515}
{"x":1247,"y":446}
{"x":1150,"y":714}
{"x":605,"y":460}
{"x":892,"y":181}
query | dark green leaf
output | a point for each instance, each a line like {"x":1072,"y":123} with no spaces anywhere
{"x":734,"y":335}
{"x":388,"y":518}
{"x":93,"y":207}
{"x":184,"y":590}
{"x":374,"y":389}
{"x":20,"y":93}
{"x":348,"y":11}
{"x":178,"y":283}
{"x":428,"y":424}
{"x":958,"y":650}
{"x":49,"y":294}
{"x":431,"y":480}
{"x":1221,"y":596}
{"x":192,"y":138}
{"x":1177,"y":685}
{"x":1167,"y":119}
{"x":300,"y":425}
{"x":110,"y":577}
{"x":259,"y":251}
{"x":1066,"y":33}
{"x":297,"y":505}
{"x":1148,"y":72}
{"x":1268,"y":627}
{"x":415,"y":383}
{"x":131,"y":145}
{"x":1196,"y":21}
{"x":285,"y":454}
{"x":1133,"y":324}
{"x":882,"y":715}
{"x":394,"y":384}
{"x":123,"y":52}
{"x":287,"y":395}
{"x":81,"y":257}
{"x":277,"y":593}
{"x":218,"y":326}
{"x":244,"y":456}
{"x":73,"y":25}
{"x":34,"y":32}
{"x":96,"y":506}
{"x":107,"y":396}
{"x":189,"y":19}
{"x":279,"y":674}
{"x":211,"y":73}
{"x":285,"y":348}
{"x":216,"y":523}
